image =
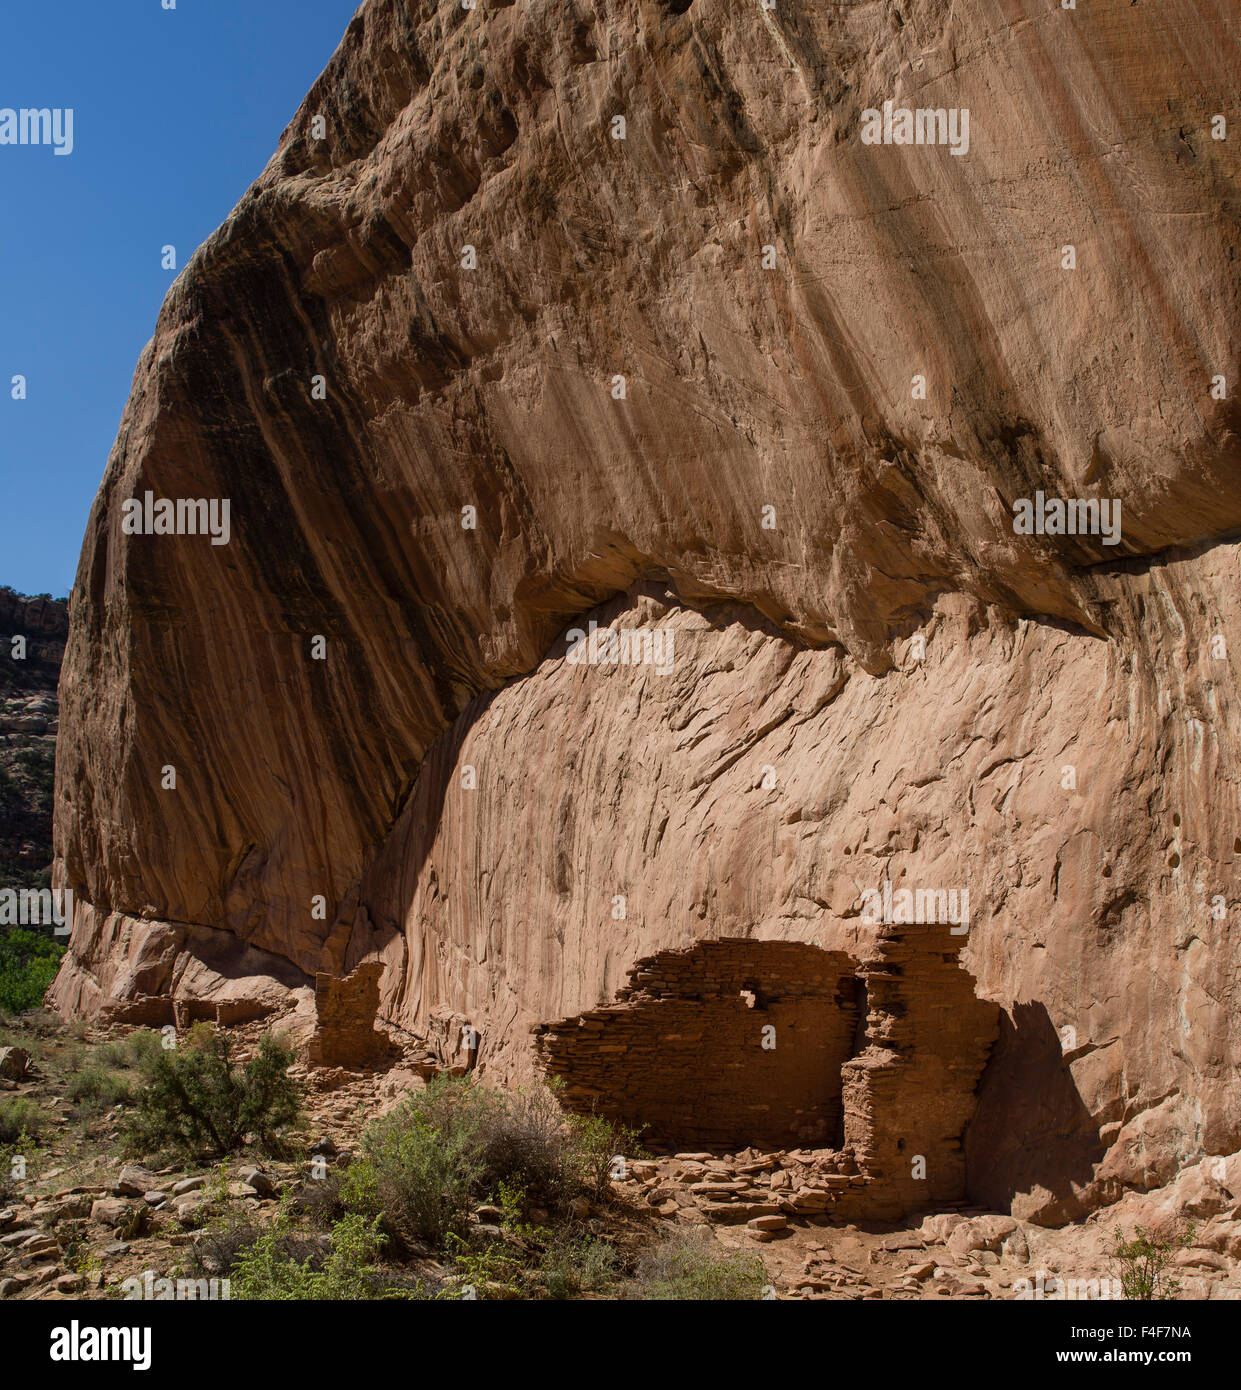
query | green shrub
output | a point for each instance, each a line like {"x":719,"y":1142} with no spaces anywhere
{"x":20,"y":1116}
{"x":422,"y":1163}
{"x":111,"y":1054}
{"x":200,"y":1034}
{"x":29,"y":961}
{"x":265,"y":1269}
{"x":20,"y":1127}
{"x":231,"y":1231}
{"x":1143,"y":1264}
{"x":196,"y":1100}
{"x":93,"y":1084}
{"x":594,"y":1145}
{"x":485,"y":1273}
{"x":425,"y":1165}
{"x":684,"y":1268}
{"x":138,"y":1050}
{"x":577,"y":1265}
{"x":143,"y":1047}
{"x":39,"y":765}
{"x":224,"y":1238}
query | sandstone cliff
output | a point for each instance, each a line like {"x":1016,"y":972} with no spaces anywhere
{"x":875,"y":679}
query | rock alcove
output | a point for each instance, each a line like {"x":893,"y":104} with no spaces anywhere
{"x":734,"y":1043}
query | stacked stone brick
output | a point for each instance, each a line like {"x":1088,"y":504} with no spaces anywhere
{"x":911,"y":1092}
{"x":728,"y":1043}
{"x":345,"y":1034}
{"x":682,"y":1055}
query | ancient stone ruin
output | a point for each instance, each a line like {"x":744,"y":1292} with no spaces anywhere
{"x":734,"y":1043}
{"x":345,"y":1034}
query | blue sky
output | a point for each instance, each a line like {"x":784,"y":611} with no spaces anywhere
{"x":175,"y":114}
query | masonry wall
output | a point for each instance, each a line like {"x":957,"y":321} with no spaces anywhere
{"x":681,"y":1053}
{"x":727,"y":1044}
{"x":911,"y":1092}
{"x":345,"y":1034}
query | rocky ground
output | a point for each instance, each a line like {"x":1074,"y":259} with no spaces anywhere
{"x":964,"y":1253}
{"x":84,"y":1219}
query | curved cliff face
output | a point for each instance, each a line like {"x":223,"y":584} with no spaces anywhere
{"x":775,"y":294}
{"x":762,"y":789}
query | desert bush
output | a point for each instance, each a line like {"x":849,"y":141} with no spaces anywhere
{"x":551,"y":1156}
{"x":1144,"y":1264}
{"x":111,"y":1054}
{"x":196,"y":1100}
{"x":428,"y":1162}
{"x":528,"y":1144}
{"x":73,"y":1237}
{"x":20,"y":1116}
{"x":534,"y":1146}
{"x":200,"y":1034}
{"x":548,"y":1260}
{"x":421,"y":1163}
{"x":576,"y":1265}
{"x":29,"y":961}
{"x":687,"y":1268}
{"x":485,"y":1272}
{"x":139,"y":1049}
{"x":318,"y":1200}
{"x":38,"y":762}
{"x":266,"y":1270}
{"x":20,"y":1127}
{"x":93,"y":1084}
{"x":143,"y":1047}
{"x":595,"y":1144}
{"x":231,"y":1231}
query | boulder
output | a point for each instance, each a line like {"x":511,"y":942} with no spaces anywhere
{"x":260,"y":1182}
{"x":1014,"y":1246}
{"x":133,"y":1181}
{"x":113,"y":1211}
{"x":775,"y":1222}
{"x":981,"y":1233}
{"x":939,"y":1227}
{"x":14,"y":1063}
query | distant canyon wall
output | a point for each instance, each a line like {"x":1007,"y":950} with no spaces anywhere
{"x":32,"y":645}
